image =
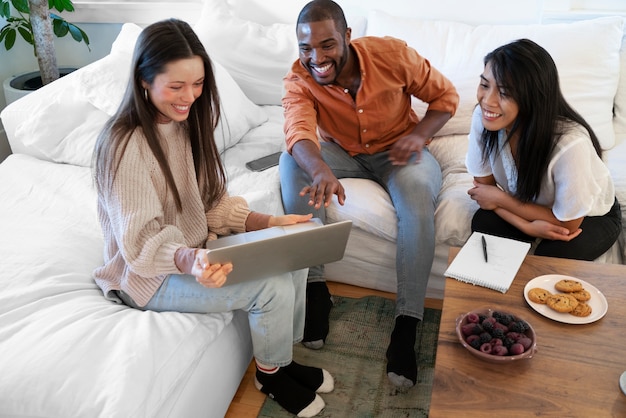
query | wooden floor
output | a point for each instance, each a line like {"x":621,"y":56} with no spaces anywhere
{"x":248,"y":400}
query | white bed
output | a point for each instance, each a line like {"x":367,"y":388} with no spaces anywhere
{"x":67,"y":352}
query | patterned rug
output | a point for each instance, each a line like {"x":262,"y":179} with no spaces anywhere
{"x":355,"y":355}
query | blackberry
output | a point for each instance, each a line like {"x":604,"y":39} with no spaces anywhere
{"x":485,"y":337}
{"x":477,"y":329}
{"x":498,"y":333}
{"x":506,"y":319}
{"x":518,"y":326}
{"x":487,"y":326}
{"x":508,"y":342}
{"x":475,"y":344}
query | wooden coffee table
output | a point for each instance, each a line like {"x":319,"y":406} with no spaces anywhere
{"x":575,"y":371}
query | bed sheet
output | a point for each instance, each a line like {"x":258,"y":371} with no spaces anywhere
{"x":64,"y":349}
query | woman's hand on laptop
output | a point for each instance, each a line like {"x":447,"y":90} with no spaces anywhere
{"x":195,"y":262}
{"x":291,"y":219}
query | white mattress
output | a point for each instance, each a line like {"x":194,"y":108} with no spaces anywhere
{"x":67,"y":352}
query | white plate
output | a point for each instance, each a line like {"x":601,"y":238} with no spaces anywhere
{"x":598,"y":302}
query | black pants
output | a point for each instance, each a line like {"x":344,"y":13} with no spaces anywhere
{"x":598,"y":234}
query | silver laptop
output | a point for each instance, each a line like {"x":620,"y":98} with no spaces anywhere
{"x":277,"y":250}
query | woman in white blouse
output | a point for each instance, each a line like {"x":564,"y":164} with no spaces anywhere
{"x":537,"y":164}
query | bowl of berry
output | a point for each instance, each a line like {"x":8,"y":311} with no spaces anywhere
{"x":496,"y":335}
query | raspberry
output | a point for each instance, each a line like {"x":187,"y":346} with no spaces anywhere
{"x":500,"y":350}
{"x":472,"y":318}
{"x":517,"y":348}
{"x":526,"y":342}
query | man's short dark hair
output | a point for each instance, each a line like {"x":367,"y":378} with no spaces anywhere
{"x":318,"y":10}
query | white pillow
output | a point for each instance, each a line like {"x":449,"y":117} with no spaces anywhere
{"x":65,"y":118}
{"x":586,"y":54}
{"x":258,"y":56}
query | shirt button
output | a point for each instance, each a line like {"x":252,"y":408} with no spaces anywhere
{"x":364,"y":130}
{"x":346,"y":91}
{"x":360,"y":110}
{"x":367,"y":145}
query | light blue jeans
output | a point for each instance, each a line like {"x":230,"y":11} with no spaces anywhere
{"x":275,"y":307}
{"x":413,"y":190}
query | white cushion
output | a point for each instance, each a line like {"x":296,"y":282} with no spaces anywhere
{"x":258,"y":56}
{"x":64,"y":118}
{"x":586,"y":54}
{"x":380,"y":216}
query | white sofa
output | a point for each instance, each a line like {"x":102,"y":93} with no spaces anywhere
{"x":253,"y":39}
{"x":68,"y":352}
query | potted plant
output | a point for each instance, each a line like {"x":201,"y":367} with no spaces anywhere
{"x":35,"y":23}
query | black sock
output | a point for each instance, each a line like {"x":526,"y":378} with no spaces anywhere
{"x":314,"y":378}
{"x":318,"y":304}
{"x":288,"y":393}
{"x":401,"y":359}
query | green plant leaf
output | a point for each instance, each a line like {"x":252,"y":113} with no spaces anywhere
{"x":60,"y":27}
{"x":85,"y":37}
{"x":9,"y":40}
{"x":21,"y":6}
{"x":5,"y":9}
{"x":61,"y":5}
{"x":75,"y":32}
{"x":20,"y":23}
{"x":4,"y":31}
{"x":26,"y":35}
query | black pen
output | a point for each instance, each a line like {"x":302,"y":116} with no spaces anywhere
{"x":484,"y":247}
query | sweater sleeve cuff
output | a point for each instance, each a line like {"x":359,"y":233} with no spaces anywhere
{"x":165,"y":258}
{"x":238,"y":217}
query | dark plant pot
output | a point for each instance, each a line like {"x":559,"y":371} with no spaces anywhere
{"x":32,"y":81}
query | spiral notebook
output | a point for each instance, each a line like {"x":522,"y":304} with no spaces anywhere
{"x":493,"y":265}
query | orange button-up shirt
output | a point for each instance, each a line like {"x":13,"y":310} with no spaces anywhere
{"x":391,"y":72}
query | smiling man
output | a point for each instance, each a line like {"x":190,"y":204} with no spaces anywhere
{"x":356,"y":94}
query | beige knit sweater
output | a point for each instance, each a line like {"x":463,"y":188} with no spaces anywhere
{"x":141,"y":225}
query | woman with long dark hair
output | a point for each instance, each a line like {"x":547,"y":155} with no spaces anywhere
{"x":162,"y":195}
{"x":537,"y":164}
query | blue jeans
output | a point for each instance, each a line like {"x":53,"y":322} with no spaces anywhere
{"x":275,"y":307}
{"x":413,"y":190}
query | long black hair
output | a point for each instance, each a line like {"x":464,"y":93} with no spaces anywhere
{"x":159,"y":44}
{"x":528,"y":75}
